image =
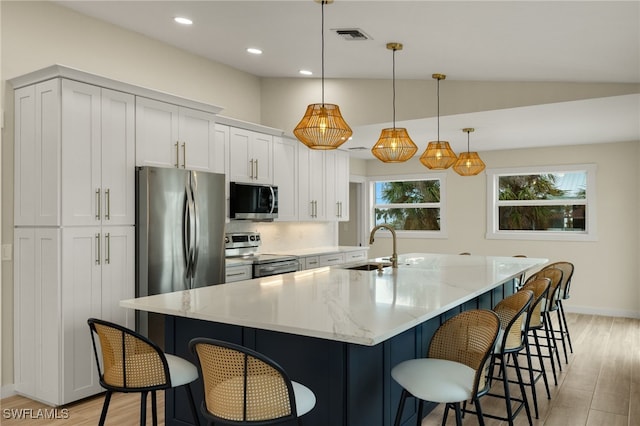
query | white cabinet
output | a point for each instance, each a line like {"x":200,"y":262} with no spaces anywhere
{"x":354,"y":256}
{"x":98,"y":148}
{"x":337,"y":181}
{"x":311,"y":181}
{"x":62,"y":278}
{"x":237,"y":273}
{"x":309,"y":262}
{"x":37,"y":155}
{"x":221,"y":163}
{"x":250,"y":156}
{"x":169,"y":135}
{"x":285,"y":177}
{"x":331,"y":259}
{"x":74,"y":235}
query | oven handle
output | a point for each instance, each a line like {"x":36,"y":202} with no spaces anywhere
{"x":273,"y":199}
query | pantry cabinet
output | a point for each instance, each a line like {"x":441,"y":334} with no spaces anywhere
{"x":62,"y":278}
{"x":250,"y":156}
{"x":169,"y":135}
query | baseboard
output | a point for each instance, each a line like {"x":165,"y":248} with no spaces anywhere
{"x":601,"y":311}
{"x":7,"y":391}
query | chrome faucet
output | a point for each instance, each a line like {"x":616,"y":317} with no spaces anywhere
{"x":394,"y":256}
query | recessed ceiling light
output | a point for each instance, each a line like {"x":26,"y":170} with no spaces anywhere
{"x":305,"y":72}
{"x":182,"y":20}
{"x":254,"y":50}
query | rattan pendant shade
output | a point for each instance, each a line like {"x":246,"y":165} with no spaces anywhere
{"x":394,"y":144}
{"x":438,"y":155}
{"x":468,"y":163}
{"x":322,"y":126}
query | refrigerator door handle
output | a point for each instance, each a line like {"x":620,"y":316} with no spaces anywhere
{"x":196,"y":225}
{"x":186,"y":230}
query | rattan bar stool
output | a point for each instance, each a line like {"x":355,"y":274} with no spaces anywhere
{"x":567,"y":269}
{"x":512,"y":339}
{"x":245,"y":387}
{"x":540,"y":288}
{"x":133,"y":363}
{"x":456,"y":368}
{"x":551,"y":305}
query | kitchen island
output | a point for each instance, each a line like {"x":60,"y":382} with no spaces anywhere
{"x":338,"y":331}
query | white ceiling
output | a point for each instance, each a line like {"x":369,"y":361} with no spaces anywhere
{"x":559,"y":41}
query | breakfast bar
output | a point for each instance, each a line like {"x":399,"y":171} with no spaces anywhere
{"x":338,"y":330}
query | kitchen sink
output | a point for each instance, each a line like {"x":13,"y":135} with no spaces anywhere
{"x":369,"y":266}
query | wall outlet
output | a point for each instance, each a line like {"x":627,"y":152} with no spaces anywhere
{"x":6,"y":252}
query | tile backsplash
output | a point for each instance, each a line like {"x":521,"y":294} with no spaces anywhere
{"x":287,"y":236}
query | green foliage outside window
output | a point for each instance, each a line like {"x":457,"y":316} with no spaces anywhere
{"x":408,"y":205}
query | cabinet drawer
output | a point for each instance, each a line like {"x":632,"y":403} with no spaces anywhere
{"x":353,"y":256}
{"x":237,"y":273}
{"x":331,"y":259}
{"x":310,"y":262}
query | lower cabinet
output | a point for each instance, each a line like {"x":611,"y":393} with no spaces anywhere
{"x":331,"y":259}
{"x":62,"y":278}
{"x":237,"y":273}
{"x":354,"y":256}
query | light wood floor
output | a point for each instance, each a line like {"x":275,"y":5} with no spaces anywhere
{"x":599,"y":387}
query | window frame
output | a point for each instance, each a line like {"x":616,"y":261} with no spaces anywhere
{"x":493,"y":204}
{"x":441,"y":177}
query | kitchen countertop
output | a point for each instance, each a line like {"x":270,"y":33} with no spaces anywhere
{"x":362,"y":307}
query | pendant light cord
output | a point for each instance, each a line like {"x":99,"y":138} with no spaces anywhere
{"x":468,"y":142}
{"x":438,"y":97}
{"x":394,"y":88}
{"x":322,"y":31}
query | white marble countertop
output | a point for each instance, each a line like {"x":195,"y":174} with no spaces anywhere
{"x":362,"y":307}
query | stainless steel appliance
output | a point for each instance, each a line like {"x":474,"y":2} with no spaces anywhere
{"x":253,"y":202}
{"x":246,"y":244}
{"x":180,"y":220}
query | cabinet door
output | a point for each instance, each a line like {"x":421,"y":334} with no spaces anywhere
{"x":197,"y":140}
{"x":118,"y":274}
{"x":333,"y":207}
{"x":221,"y":161}
{"x":81,"y":183}
{"x":82,"y":255}
{"x":342,"y":185}
{"x":241,"y":166}
{"x":156,"y":133}
{"x":237,"y":273}
{"x":118,"y":158}
{"x":262,"y":155}
{"x":285,"y":177}
{"x":37,"y":155}
{"x":37,"y":311}
{"x":311,"y":175}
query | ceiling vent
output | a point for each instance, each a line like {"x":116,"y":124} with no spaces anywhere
{"x":351,"y":34}
{"x":358,"y":148}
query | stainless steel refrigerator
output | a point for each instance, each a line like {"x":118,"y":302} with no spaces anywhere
{"x":180,"y":219}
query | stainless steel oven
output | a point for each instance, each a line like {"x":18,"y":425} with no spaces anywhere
{"x":247,"y":244}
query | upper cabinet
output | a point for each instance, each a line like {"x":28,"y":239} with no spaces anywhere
{"x":250,"y":156}
{"x":338,"y":185}
{"x":168,"y":135}
{"x":285,"y":177}
{"x":88,"y":132}
{"x":312,"y":184}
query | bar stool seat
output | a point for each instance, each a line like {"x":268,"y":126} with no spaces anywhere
{"x":435,"y":380}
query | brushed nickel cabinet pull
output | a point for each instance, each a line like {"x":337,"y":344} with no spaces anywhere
{"x":184,"y":155}
{"x":97,"y":249}
{"x":177,"y":155}
{"x":257,"y":173}
{"x":251,"y":172}
{"x":107,"y":238}
{"x":107,"y":201}
{"x":98,"y":213}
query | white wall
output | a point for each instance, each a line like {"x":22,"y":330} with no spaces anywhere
{"x":606,"y":280}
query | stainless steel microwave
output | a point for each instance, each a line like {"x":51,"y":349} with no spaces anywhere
{"x":253,"y":202}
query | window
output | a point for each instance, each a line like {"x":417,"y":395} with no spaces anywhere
{"x":552,"y":203}
{"x":410,"y":204}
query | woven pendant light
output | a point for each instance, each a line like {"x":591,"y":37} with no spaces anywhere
{"x":394,"y":144}
{"x":468,"y":163}
{"x":438,"y":155}
{"x":322,"y":126}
